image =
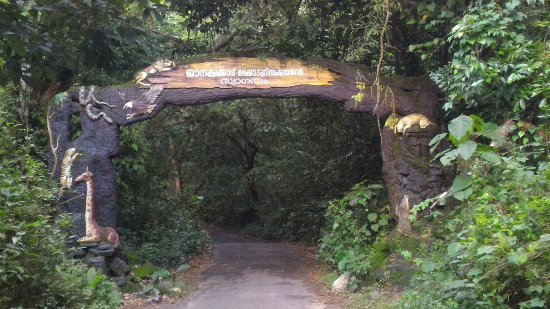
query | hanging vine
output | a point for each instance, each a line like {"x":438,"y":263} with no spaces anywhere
{"x":380,"y":93}
{"x":388,"y":12}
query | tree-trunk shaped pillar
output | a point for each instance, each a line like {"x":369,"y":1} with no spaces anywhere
{"x":407,"y":168}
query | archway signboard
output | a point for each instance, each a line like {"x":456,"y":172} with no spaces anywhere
{"x":407,"y":165}
{"x":251,"y":73}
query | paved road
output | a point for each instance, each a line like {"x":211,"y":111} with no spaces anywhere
{"x":248,"y":274}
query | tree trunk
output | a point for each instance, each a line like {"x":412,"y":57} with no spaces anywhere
{"x":248,"y":150}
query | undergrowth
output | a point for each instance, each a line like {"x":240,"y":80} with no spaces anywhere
{"x":34,"y":272}
{"x":354,"y":222}
{"x":489,"y":248}
{"x":492,"y":251}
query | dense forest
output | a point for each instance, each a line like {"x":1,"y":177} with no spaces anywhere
{"x":290,"y":169}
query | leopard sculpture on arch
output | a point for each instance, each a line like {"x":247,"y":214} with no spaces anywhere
{"x":410,"y":120}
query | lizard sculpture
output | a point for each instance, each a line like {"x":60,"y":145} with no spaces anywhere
{"x":94,"y":232}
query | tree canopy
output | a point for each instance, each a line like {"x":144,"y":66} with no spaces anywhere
{"x":281,"y":169}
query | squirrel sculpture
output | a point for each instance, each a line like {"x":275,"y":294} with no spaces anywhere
{"x":162,"y":65}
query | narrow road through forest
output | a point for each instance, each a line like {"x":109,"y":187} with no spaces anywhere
{"x":251,"y":274}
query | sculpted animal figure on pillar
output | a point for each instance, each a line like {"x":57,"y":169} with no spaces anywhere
{"x":66,"y":179}
{"x":410,"y":120}
{"x":144,"y":104}
{"x":94,"y":232}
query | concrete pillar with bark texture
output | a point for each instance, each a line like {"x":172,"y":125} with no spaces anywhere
{"x":407,"y":168}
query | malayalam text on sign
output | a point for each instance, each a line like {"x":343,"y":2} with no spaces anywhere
{"x":244,"y":73}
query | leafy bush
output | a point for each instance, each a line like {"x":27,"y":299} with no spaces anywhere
{"x":157,"y":224}
{"x":167,"y":236}
{"x":354,"y":222}
{"x":499,"y":61}
{"x":34,"y":271}
{"x":499,"y":243}
{"x":169,"y":246}
{"x":495,"y":248}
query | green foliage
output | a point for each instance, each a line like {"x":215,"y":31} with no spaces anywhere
{"x":496,"y":252}
{"x":170,"y":246}
{"x":144,"y":271}
{"x":268,"y":166}
{"x":134,"y":154}
{"x":168,"y":238}
{"x":309,"y":153}
{"x":34,"y":271}
{"x":54,"y":43}
{"x":354,"y":222}
{"x":433,"y":21}
{"x":491,"y":250}
{"x":157,"y":224}
{"x":497,"y":63}
{"x":155,"y":281}
{"x":461,"y":132}
{"x":159,"y":281}
{"x":495,"y":245}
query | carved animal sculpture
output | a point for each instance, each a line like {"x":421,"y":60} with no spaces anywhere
{"x":402,"y":211}
{"x":66,"y":179}
{"x":410,"y":120}
{"x":144,"y":104}
{"x":94,"y":232}
{"x":341,"y":283}
{"x":89,"y":101}
{"x":158,"y":66}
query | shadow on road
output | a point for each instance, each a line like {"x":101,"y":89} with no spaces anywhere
{"x":249,"y":273}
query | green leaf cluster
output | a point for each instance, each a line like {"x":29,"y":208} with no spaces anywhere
{"x":491,"y":250}
{"x":499,"y":62}
{"x":353,"y":223}
{"x":495,"y":252}
{"x":463,"y":133}
{"x":496,"y":240}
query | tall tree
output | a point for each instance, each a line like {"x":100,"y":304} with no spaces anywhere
{"x":46,"y":46}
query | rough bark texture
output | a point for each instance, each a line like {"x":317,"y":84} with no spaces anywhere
{"x":406,"y":158}
{"x":98,"y":143}
{"x":407,"y":168}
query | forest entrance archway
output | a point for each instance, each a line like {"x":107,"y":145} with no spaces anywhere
{"x":102,"y":111}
